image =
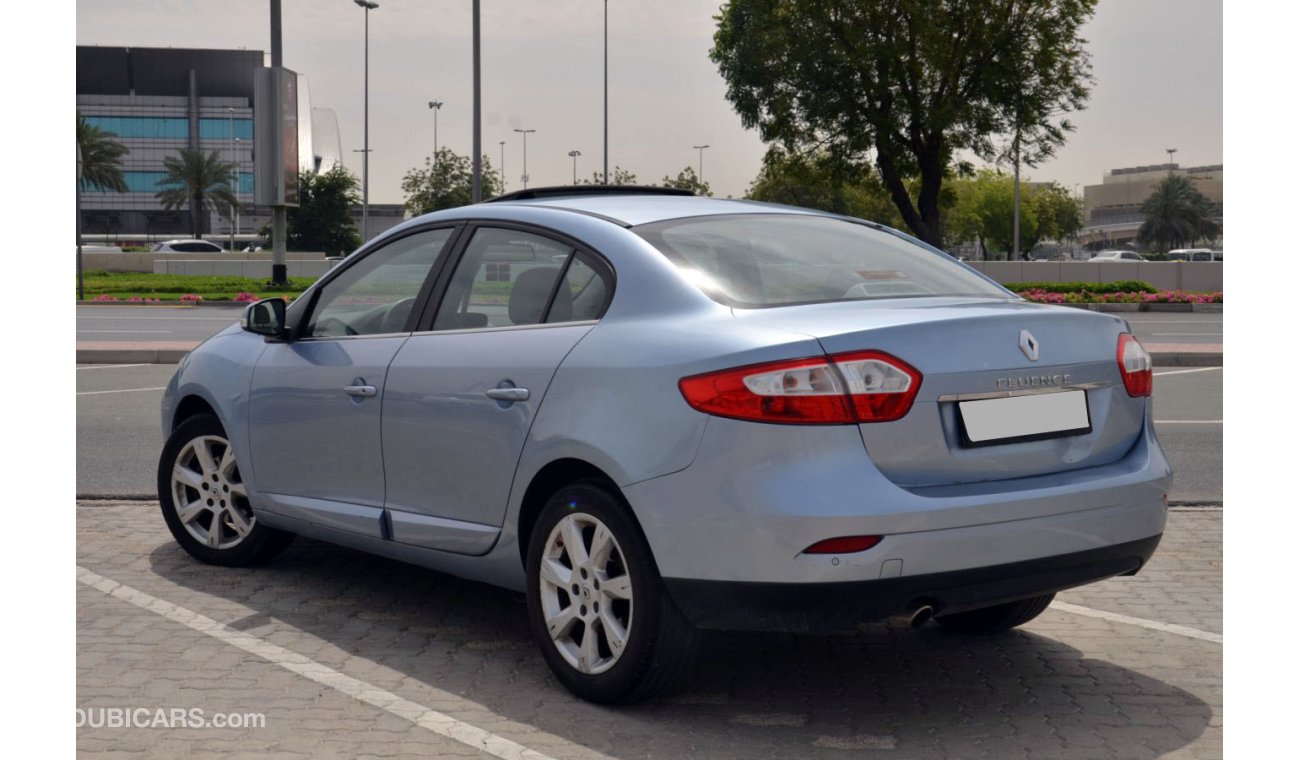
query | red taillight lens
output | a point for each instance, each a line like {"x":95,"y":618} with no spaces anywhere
{"x":867,"y":386}
{"x":843,"y":545}
{"x":1134,"y":366}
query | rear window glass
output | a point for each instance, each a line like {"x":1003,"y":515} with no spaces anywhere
{"x":770,"y":260}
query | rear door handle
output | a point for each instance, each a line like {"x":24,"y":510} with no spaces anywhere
{"x":361,"y":391}
{"x":508,"y":394}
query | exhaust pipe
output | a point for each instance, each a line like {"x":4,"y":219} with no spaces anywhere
{"x":913,"y":618}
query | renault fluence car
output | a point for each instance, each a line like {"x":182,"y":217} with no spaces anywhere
{"x":655,"y":414}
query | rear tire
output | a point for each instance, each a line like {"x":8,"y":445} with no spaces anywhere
{"x":204,"y":501}
{"x":1001,"y":617}
{"x":596,"y":604}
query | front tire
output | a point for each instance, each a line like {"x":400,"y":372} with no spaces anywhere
{"x":596,"y":605}
{"x":204,"y":501}
{"x":999,"y":618}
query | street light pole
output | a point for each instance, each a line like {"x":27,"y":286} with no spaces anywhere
{"x":230,"y":126}
{"x":236,"y":186}
{"x":701,"y":148}
{"x":436,"y":105}
{"x":367,"y":6}
{"x":525,"y":133}
{"x":606,"y":92}
{"x":501,"y":171}
{"x":81,"y":284}
{"x":476,"y":183}
{"x":574,"y":155}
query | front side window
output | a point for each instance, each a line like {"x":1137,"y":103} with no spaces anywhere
{"x":375,"y":296}
{"x":756,"y":260}
{"x":505,"y":278}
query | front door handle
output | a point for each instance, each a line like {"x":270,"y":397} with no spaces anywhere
{"x":508,"y":394}
{"x":361,"y":391}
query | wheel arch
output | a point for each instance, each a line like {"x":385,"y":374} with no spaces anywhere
{"x":551,"y":478}
{"x":192,"y":405}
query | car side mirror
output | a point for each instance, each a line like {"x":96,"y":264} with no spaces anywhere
{"x":266,"y":317}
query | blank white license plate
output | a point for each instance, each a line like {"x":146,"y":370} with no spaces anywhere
{"x":1041,"y":415}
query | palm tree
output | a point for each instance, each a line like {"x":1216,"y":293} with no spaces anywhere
{"x":1176,"y":213}
{"x":101,"y":158}
{"x":200,"y":180}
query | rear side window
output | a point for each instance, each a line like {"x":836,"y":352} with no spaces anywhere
{"x":774,"y":259}
{"x":584,"y":293}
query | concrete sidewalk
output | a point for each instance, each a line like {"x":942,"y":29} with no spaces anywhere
{"x":164,"y":352}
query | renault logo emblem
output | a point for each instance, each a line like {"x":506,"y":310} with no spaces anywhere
{"x":1029,"y":345}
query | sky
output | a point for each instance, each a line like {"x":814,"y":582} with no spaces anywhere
{"x":1158,"y":66}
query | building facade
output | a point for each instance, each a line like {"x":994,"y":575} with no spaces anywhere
{"x":158,"y":101}
{"x":1112,"y":211}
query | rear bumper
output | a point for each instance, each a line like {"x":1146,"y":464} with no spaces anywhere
{"x":830,"y":607}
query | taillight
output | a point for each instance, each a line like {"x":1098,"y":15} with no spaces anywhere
{"x":1134,"y":366}
{"x":866,"y":386}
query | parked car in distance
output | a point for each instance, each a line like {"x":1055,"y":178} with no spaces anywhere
{"x":1115,"y":256}
{"x":673,"y":413}
{"x":1195,"y":254}
{"x":187,"y":246}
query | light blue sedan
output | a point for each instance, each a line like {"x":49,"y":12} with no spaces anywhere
{"x":655,"y":413}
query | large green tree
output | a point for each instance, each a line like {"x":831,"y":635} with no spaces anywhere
{"x":983,"y":211}
{"x":686,"y":179}
{"x":446,"y":183}
{"x":1176,"y":214}
{"x":101,"y":158}
{"x":322,"y":221}
{"x":815,"y":181}
{"x":201,"y":181}
{"x":903,"y":85}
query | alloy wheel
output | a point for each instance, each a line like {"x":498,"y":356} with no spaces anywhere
{"x":586,"y":593}
{"x":208,"y":494}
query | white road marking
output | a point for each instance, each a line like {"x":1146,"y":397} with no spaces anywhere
{"x":124,"y":390}
{"x":1192,"y":335}
{"x":112,"y":366}
{"x":1186,"y":371}
{"x":1189,"y":422}
{"x":1155,"y":625}
{"x":99,"y":332}
{"x":437,"y":722}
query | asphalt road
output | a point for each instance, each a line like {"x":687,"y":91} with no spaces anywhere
{"x":118,"y":433}
{"x":176,"y":323}
{"x":153,"y":323}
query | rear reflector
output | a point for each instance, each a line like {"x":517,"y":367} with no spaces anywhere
{"x":865,"y":386}
{"x":1134,"y":366}
{"x":843,"y":545}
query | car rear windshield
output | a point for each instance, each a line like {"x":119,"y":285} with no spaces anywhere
{"x":762,"y":260}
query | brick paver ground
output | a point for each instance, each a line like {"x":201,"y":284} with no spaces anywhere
{"x":1064,"y":686}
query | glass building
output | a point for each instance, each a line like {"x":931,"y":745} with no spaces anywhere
{"x":157,"y":101}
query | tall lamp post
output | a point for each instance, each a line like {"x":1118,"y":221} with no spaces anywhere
{"x":367,"y":6}
{"x":230,"y":127}
{"x":436,"y":106}
{"x":502,"y":171}
{"x":574,"y":155}
{"x":606,"y":92}
{"x":701,"y":148}
{"x":525,"y":133}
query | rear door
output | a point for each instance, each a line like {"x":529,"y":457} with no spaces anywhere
{"x":314,"y":413}
{"x":462,"y":392}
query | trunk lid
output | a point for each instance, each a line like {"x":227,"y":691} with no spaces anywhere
{"x":969,"y":350}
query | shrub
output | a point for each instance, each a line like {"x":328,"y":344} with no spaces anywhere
{"x":191,"y":298}
{"x":1123,"y":286}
